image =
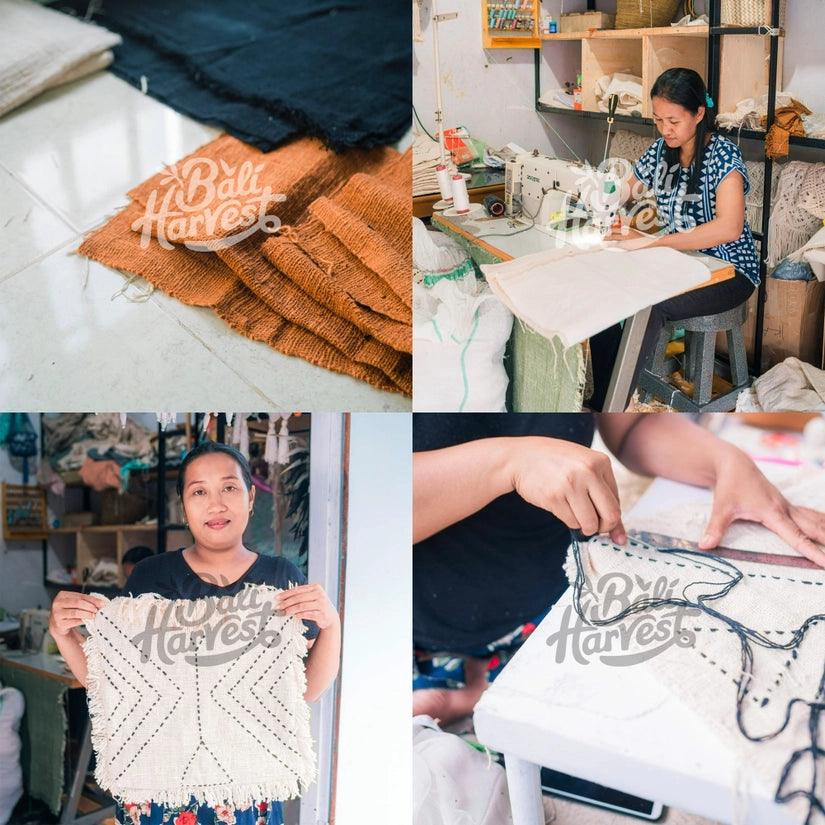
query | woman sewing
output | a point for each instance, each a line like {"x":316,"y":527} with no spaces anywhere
{"x":700,"y":202}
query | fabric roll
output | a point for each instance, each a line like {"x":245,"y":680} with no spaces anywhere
{"x":41,"y":48}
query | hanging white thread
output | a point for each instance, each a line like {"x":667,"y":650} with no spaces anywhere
{"x":283,"y":442}
{"x":135,"y":298}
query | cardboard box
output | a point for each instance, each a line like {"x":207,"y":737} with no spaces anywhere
{"x":792,"y":326}
{"x":582,"y":21}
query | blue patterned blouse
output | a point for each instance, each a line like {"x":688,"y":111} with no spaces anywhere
{"x":679,"y":212}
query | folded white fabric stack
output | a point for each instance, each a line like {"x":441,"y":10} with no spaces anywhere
{"x":627,"y":86}
{"x":41,"y":48}
{"x":426,"y":155}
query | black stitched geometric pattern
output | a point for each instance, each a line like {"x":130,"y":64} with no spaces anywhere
{"x":199,"y":698}
{"x":743,"y":644}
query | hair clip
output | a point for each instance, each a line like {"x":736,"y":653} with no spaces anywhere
{"x":708,"y":101}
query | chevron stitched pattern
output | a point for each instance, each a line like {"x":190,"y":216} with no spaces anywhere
{"x":199,"y":698}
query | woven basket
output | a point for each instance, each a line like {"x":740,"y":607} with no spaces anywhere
{"x":642,"y":14}
{"x":750,"y":12}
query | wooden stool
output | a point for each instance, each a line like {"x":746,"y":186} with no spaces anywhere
{"x":698,"y":363}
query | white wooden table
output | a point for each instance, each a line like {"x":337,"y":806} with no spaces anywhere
{"x":614,"y":726}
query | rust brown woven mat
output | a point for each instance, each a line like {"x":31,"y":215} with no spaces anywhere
{"x":203,"y":279}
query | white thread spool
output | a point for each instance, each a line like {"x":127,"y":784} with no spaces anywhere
{"x":444,"y":183}
{"x":461,"y":200}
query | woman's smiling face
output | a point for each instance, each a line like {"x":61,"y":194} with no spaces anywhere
{"x":676,"y":124}
{"x":216,"y":501}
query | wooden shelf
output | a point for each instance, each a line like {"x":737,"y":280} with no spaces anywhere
{"x":630,"y":34}
{"x":105,"y":528}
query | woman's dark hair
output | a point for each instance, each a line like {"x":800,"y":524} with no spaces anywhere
{"x":135,"y":554}
{"x":686,"y":87}
{"x":208,"y":448}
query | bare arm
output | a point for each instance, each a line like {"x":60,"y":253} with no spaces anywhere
{"x":571,"y":481}
{"x":69,"y":611}
{"x":322,"y":661}
{"x":671,"y":446}
{"x":453,"y":483}
{"x":310,"y":601}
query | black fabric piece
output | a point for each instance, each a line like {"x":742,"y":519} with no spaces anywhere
{"x":476,"y":580}
{"x":266,"y":71}
{"x":710,"y":300}
{"x":168,"y":575}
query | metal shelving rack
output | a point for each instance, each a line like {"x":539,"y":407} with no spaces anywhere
{"x":715,"y":33}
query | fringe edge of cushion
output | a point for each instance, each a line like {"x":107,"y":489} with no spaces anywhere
{"x":230,"y":794}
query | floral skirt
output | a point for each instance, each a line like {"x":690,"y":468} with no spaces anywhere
{"x":446,"y":670}
{"x":149,"y":813}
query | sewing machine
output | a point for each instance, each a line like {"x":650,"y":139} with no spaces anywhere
{"x":560,"y":197}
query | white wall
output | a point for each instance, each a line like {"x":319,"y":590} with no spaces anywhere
{"x":804,"y":61}
{"x":375,"y":746}
{"x":492,"y":92}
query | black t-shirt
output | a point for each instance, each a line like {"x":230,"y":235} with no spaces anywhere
{"x":168,"y":575}
{"x":479,"y":579}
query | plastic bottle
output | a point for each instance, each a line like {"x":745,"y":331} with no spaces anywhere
{"x":577,"y":93}
{"x":553,"y":27}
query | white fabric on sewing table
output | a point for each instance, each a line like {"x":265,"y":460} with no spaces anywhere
{"x":576,"y":293}
{"x":200,"y":698}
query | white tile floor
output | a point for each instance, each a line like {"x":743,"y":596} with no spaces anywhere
{"x":66,"y":161}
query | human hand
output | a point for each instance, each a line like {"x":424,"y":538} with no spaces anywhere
{"x":571,"y":481}
{"x":70,"y":609}
{"x":742,"y":493}
{"x":308,"y":601}
{"x":622,"y":234}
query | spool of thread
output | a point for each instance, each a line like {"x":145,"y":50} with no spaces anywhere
{"x":461,"y":200}
{"x":444,"y":182}
{"x":494,"y":205}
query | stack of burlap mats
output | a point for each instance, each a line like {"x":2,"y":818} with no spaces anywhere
{"x":331,"y":285}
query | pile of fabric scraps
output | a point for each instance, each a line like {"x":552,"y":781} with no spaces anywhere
{"x":791,"y":386}
{"x":425,"y":157}
{"x":628,"y":87}
{"x":798,"y":209}
{"x":268,"y":77}
{"x":750,"y":111}
{"x":787,"y":122}
{"x":331,"y":287}
{"x":70,"y":438}
{"x":41,"y":49}
{"x":792,"y":117}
